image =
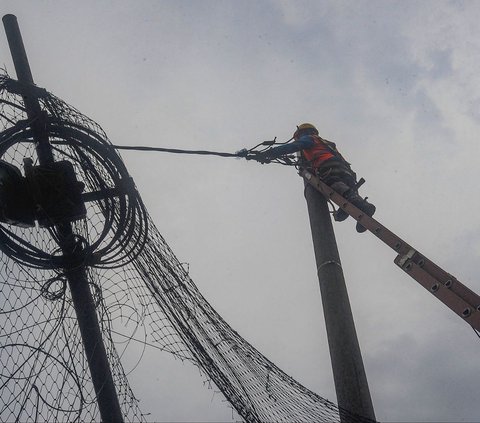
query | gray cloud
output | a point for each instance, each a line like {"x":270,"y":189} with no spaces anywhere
{"x":394,"y":84}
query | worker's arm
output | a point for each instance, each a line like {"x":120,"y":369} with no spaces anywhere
{"x":303,"y":143}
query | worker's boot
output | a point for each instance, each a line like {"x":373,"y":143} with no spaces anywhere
{"x":363,"y":205}
{"x":352,"y":196}
{"x":342,"y":188}
{"x":340,"y":215}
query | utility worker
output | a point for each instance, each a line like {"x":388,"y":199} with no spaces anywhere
{"x":325,"y":161}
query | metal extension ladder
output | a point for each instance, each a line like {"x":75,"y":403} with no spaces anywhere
{"x":456,"y":296}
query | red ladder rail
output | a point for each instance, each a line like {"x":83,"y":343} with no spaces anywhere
{"x":456,"y":296}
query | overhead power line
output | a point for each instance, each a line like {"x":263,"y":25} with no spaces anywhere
{"x":249,"y":154}
{"x":176,"y":150}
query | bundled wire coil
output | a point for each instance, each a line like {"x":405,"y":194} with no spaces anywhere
{"x":116,"y":201}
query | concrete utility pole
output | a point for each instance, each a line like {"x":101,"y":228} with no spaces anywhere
{"x":349,"y":375}
{"x":82,"y":298}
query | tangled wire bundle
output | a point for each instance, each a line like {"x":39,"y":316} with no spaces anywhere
{"x":141,"y":291}
{"x":116,"y":224}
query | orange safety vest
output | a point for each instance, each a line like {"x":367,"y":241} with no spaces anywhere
{"x":322,"y":151}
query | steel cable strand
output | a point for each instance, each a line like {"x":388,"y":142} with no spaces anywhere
{"x":28,"y":255}
{"x":11,"y":135}
{"x":139,"y":233}
{"x":105,"y":204}
{"x":124,"y":225}
{"x":136,"y":236}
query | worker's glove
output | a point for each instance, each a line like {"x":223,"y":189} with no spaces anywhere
{"x":259,"y":157}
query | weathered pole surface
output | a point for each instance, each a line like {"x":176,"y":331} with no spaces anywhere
{"x":349,"y":375}
{"x":82,"y":298}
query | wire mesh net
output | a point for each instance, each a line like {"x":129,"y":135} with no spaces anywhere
{"x":142,"y":294}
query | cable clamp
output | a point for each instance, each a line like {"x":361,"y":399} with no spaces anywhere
{"x":329,"y":262}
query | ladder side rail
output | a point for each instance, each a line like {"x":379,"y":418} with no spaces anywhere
{"x":450,"y":281}
{"x":459,"y":298}
{"x":380,"y":231}
{"x":447,"y":296}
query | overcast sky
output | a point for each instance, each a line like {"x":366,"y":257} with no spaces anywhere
{"x":395,"y":84}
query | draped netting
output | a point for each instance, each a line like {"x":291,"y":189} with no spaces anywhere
{"x":141,"y":290}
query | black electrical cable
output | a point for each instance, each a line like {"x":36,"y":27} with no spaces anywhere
{"x":239,"y":154}
{"x":175,"y":150}
{"x":247,"y":154}
{"x":124,"y":231}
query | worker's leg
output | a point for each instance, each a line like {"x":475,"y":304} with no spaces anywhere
{"x":351,"y":194}
{"x":343,"y":180}
{"x":342,"y":188}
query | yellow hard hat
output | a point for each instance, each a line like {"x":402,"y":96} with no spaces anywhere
{"x":304,"y":127}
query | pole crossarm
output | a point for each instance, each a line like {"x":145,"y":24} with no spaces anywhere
{"x":456,"y":296}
